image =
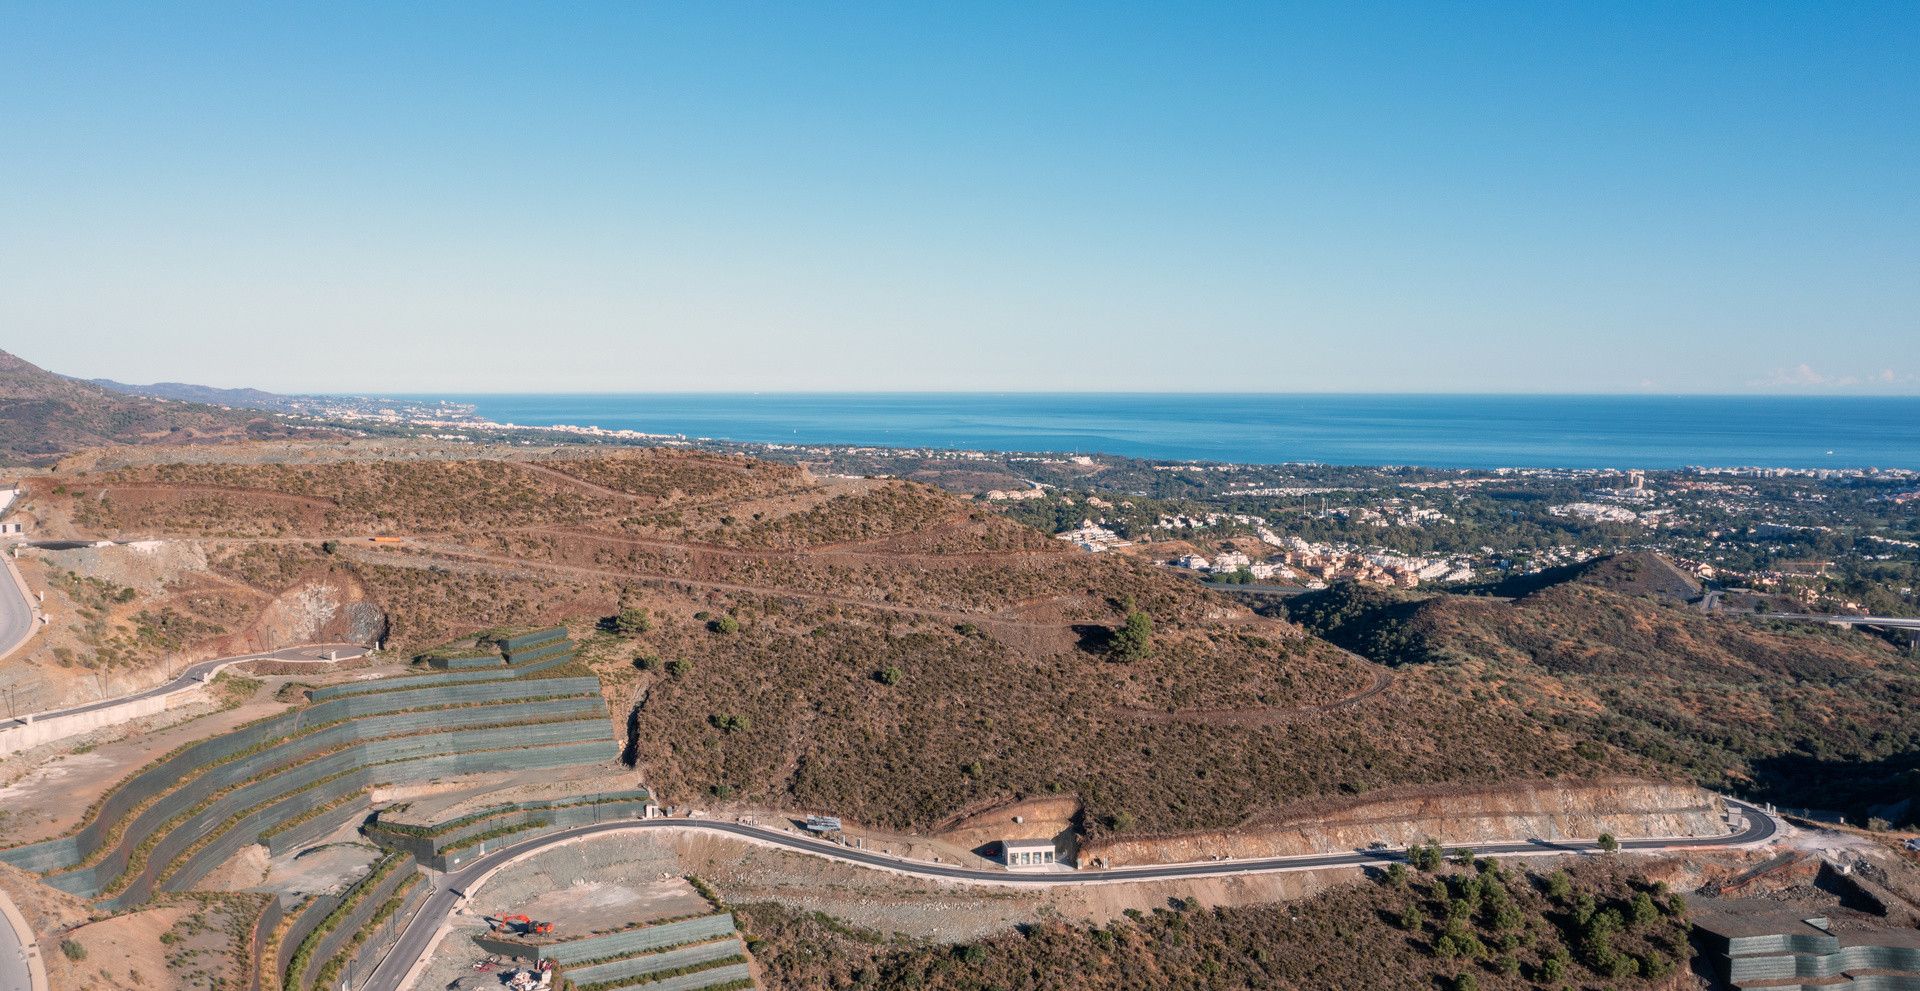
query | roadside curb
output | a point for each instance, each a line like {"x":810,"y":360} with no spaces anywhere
{"x":26,"y":596}
{"x":29,"y":945}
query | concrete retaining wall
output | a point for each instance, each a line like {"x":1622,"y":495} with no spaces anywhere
{"x":15,"y":736}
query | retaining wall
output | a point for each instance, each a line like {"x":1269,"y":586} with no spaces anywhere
{"x":263,"y":927}
{"x":367,"y":901}
{"x":18,"y":736}
{"x":172,"y":801}
{"x":694,"y":981}
{"x":653,"y":963}
{"x":638,"y":940}
{"x":305,"y":921}
{"x":65,"y":851}
{"x":431,"y":850}
{"x":1834,"y":964}
{"x":367,"y":956}
{"x":402,"y":759}
{"x":313,"y":829}
{"x":405,"y":681}
{"x":537,"y":637}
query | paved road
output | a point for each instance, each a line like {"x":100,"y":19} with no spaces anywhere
{"x":18,"y":970}
{"x":450,"y":888}
{"x":196,"y":673}
{"x":16,"y":613}
{"x":1891,"y":622}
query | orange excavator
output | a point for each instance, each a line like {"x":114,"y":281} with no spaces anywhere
{"x":520,"y":924}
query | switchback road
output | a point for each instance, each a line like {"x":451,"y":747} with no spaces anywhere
{"x":417,"y":939}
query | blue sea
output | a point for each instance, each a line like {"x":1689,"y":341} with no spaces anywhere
{"x":1444,"y":431}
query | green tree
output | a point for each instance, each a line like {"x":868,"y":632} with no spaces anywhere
{"x":1644,"y":911}
{"x":724,"y":624}
{"x":679,"y":668}
{"x":1133,"y":640}
{"x":890,"y":675}
{"x":1608,"y":843}
{"x":1559,"y":886}
{"x":632,"y":622}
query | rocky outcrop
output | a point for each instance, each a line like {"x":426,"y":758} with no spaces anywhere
{"x":1544,"y":810}
{"x":330,"y":609}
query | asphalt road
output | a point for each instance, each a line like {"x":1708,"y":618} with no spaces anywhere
{"x":451,"y":887}
{"x":195,"y":673}
{"x":16,"y":613}
{"x":1841,"y":619}
{"x":14,"y":975}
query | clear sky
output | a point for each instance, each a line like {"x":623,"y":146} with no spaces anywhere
{"x":1545,"y":197}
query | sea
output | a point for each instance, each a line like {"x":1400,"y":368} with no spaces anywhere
{"x":1441,"y":431}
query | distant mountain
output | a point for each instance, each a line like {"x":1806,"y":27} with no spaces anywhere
{"x":188,"y":393}
{"x":43,"y":416}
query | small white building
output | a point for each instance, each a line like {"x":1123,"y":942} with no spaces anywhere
{"x":1028,"y":853}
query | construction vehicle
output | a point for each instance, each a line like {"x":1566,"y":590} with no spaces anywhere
{"x":520,"y":924}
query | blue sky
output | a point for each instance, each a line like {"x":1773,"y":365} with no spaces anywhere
{"x":1431,"y":197}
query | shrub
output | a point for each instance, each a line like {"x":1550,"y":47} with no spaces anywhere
{"x":631,"y":622}
{"x":890,"y":675}
{"x":678,"y":668}
{"x":1608,"y":843}
{"x":74,"y":951}
{"x":724,"y":624}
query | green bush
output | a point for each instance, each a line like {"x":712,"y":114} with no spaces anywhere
{"x":74,"y":951}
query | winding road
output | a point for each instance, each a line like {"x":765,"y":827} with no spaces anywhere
{"x":398,"y":968}
{"x":16,"y":611}
{"x":204,"y":671}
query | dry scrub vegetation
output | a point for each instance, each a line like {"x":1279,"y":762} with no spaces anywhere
{"x":1480,"y":926}
{"x":877,"y":649}
{"x":1805,"y":716}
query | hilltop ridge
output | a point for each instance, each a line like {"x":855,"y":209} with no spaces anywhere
{"x":44,"y":415}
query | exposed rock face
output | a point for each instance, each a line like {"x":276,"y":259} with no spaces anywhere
{"x":320,"y":610}
{"x":1544,"y":810}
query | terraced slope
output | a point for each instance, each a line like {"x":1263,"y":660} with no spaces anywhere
{"x":167,"y":826}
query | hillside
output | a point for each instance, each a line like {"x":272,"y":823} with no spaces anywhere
{"x":1495,"y":928}
{"x":879,"y":649}
{"x":1805,"y":716}
{"x":189,"y":393}
{"x":43,"y":415}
